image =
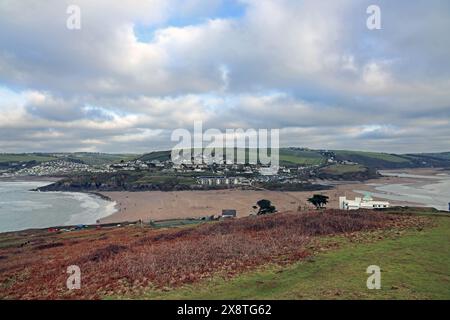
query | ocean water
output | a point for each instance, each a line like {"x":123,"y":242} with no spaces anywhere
{"x":21,"y":208}
{"x":428,"y":191}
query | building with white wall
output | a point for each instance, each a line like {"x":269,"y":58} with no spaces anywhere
{"x":217,"y":181}
{"x":362,"y":203}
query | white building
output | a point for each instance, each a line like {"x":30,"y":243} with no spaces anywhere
{"x":361,"y":203}
{"x":213,"y":180}
{"x":269,"y":171}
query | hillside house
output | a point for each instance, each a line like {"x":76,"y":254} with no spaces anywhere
{"x":366,"y":202}
{"x":217,"y":181}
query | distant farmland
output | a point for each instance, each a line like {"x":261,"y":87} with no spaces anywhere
{"x":25,"y":157}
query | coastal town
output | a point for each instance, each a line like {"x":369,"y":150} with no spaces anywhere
{"x":204,"y":172}
{"x":299,"y":169}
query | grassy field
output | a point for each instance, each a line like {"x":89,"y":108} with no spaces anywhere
{"x":414,"y":265}
{"x":373,"y":155}
{"x":287,"y":156}
{"x":85,"y":157}
{"x":156,"y":155}
{"x":300,"y":157}
{"x":100,"y":158}
{"x":8,"y":157}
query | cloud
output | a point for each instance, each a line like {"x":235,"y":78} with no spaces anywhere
{"x":311,"y":68}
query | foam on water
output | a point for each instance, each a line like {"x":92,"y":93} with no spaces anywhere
{"x":21,"y":208}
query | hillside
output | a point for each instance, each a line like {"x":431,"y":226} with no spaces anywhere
{"x":10,"y":160}
{"x":122,"y":181}
{"x":295,"y":156}
{"x":374,"y":160}
{"x":379,"y":160}
{"x":25,"y":157}
{"x":288,"y":156}
{"x":315,"y":255}
{"x":156,"y":155}
{"x":97,"y":158}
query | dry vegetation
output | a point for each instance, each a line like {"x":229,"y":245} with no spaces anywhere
{"x":129,"y":260}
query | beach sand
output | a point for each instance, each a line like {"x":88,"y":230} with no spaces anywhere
{"x":155,"y":205}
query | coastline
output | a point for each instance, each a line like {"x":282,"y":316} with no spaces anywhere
{"x":51,"y":208}
{"x":156,"y":205}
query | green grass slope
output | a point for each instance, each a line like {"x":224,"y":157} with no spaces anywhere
{"x":25,"y":157}
{"x":290,"y":156}
{"x":99,"y":158}
{"x":156,"y":155}
{"x":374,"y":159}
{"x":414,"y":265}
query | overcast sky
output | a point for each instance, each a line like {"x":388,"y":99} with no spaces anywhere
{"x":137,"y":70}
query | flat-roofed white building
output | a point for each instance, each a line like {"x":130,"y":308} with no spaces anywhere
{"x":362,"y":203}
{"x":215,"y":180}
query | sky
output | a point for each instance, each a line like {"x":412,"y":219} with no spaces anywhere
{"x":137,"y":70}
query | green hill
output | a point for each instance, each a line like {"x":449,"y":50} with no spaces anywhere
{"x":98,"y":158}
{"x":296,"y":156}
{"x":381,"y":160}
{"x":156,"y":155}
{"x":374,"y":159}
{"x":25,"y":157}
{"x":288,"y":156}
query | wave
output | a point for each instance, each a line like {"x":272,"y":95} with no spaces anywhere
{"x":22,"y":209}
{"x":93,"y":208}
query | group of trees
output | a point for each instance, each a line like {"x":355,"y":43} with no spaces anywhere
{"x":319,"y":201}
{"x":266,"y":207}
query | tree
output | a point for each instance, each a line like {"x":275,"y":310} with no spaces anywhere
{"x":319,"y":201}
{"x":265,"y":207}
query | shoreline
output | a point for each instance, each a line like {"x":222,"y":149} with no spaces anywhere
{"x":159,"y":205}
{"x":90,"y":207}
{"x":155,"y":205}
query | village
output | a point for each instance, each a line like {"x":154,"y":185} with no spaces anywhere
{"x":203,"y":170}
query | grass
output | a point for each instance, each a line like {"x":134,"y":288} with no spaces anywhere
{"x":415,"y":265}
{"x":133,"y":258}
{"x":289,"y":157}
{"x":156,"y":155}
{"x":374,"y":155}
{"x":294,"y":159}
{"x":308,"y":255}
{"x":175,"y":223}
{"x":300,"y":157}
{"x":7,"y":157}
{"x":101,"y":158}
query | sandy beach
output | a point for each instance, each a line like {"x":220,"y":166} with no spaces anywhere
{"x":155,"y":205}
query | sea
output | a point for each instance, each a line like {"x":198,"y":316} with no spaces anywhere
{"x":427,"y":191}
{"x":21,"y":208}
